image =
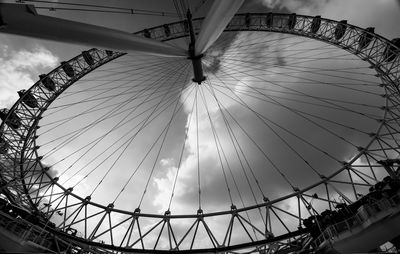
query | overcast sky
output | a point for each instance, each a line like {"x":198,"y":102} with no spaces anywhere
{"x":23,"y":59}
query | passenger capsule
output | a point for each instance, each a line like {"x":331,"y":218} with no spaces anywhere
{"x":315,"y":24}
{"x":340,"y":29}
{"x":3,"y":146}
{"x":146,"y":33}
{"x":186,"y":26}
{"x":292,"y":21}
{"x":48,"y":82}
{"x":247,"y":19}
{"x":366,"y":37}
{"x":391,"y":51}
{"x":68,"y":69}
{"x":12,"y":120}
{"x":269,"y":20}
{"x":2,"y":23}
{"x":28,"y":98}
{"x":87,"y":57}
{"x":109,"y":52}
{"x":167,"y":30}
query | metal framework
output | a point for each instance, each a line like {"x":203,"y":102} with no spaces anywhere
{"x":14,"y":17}
{"x":24,"y":177}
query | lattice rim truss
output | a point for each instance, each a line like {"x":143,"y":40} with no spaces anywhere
{"x":19,"y":179}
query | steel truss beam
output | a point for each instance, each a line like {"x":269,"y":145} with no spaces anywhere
{"x":23,"y":163}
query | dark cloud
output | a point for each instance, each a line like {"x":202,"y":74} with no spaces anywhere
{"x":217,"y":51}
{"x":294,"y":168}
{"x":283,"y":6}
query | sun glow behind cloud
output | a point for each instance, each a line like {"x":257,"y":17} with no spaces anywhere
{"x":241,"y":86}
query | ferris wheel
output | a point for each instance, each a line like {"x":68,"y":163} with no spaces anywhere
{"x":202,"y":138}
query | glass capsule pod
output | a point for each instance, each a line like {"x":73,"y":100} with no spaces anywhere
{"x":269,"y":20}
{"x":340,"y":29}
{"x":3,"y":146}
{"x":366,"y":37}
{"x":28,"y":98}
{"x":47,"y":82}
{"x":88,"y":57}
{"x":146,"y":33}
{"x":315,"y":24}
{"x":68,"y":69}
{"x":109,"y":52}
{"x":10,"y":118}
{"x":391,"y":51}
{"x":247,"y":19}
{"x":292,"y":21}
{"x":167,"y":30}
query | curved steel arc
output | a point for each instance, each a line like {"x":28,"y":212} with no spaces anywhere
{"x":208,"y":250}
{"x":28,"y":133}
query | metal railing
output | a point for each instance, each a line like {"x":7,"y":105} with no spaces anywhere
{"x":31,"y":233}
{"x":361,"y":218}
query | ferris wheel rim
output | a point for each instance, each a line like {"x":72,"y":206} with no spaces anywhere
{"x":32,"y":131}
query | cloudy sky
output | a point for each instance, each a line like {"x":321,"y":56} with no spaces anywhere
{"x":192,"y":143}
{"x":23,"y":58}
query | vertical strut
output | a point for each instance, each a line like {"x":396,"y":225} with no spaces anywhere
{"x":196,"y":59}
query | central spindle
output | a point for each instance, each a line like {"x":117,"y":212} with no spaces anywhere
{"x":196,"y":59}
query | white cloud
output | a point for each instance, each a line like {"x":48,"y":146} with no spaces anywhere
{"x":19,"y":70}
{"x":164,"y":186}
{"x":167,"y":162}
{"x":187,"y":179}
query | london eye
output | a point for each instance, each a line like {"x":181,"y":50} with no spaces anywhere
{"x":230,"y":133}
